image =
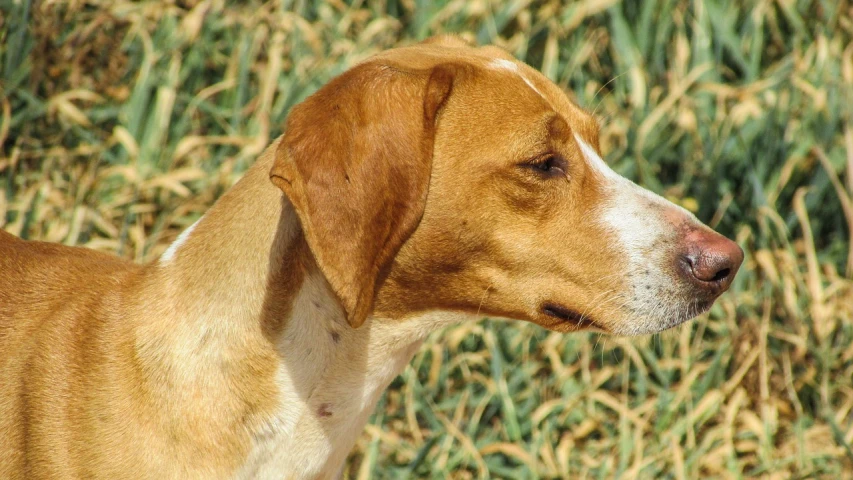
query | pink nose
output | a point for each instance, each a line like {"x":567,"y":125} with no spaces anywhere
{"x":711,"y":261}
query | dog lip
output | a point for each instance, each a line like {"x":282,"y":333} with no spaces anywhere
{"x":568,"y":315}
{"x":695,"y":309}
{"x":699,"y":307}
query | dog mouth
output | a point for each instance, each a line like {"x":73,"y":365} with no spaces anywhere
{"x":572,"y":320}
{"x":569,"y":316}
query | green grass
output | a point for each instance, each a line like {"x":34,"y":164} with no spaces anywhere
{"x":120,"y":122}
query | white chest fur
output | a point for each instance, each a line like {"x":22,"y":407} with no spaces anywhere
{"x":330,"y":379}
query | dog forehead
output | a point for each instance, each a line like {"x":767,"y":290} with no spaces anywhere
{"x":582,"y":123}
{"x":514,"y":79}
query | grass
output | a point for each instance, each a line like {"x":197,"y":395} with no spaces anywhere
{"x":121,"y":122}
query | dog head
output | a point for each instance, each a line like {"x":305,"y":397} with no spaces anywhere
{"x":440,"y":177}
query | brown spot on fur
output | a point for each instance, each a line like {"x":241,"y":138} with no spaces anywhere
{"x":324,"y":411}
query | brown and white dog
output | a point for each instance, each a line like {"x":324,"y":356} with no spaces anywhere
{"x":428,"y":185}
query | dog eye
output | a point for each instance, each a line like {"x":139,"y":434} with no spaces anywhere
{"x":551,"y":166}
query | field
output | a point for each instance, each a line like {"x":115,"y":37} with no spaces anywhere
{"x":121,"y":122}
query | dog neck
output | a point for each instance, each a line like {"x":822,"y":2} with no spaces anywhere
{"x":254,"y":331}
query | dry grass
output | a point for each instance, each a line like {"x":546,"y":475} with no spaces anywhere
{"x":120,"y":122}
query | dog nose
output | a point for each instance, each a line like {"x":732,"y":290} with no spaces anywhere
{"x":711,"y":260}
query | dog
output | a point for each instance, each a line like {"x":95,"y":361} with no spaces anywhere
{"x":430,"y":184}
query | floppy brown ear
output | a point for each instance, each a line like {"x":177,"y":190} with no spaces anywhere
{"x":355,"y":162}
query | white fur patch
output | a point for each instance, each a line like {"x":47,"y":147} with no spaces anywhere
{"x":503,"y":64}
{"x":642,"y":223}
{"x":596,"y":162}
{"x":170,"y":252}
{"x":329,"y":380}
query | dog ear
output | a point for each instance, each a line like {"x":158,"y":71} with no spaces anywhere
{"x":355,"y":162}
